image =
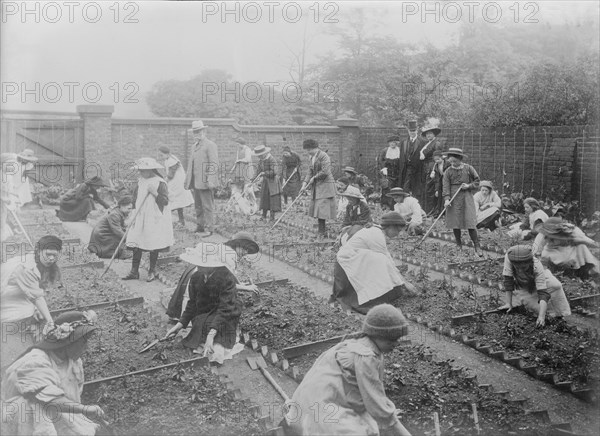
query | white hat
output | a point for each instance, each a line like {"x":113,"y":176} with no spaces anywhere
{"x":261,"y":149}
{"x":27,"y":155}
{"x":211,"y":255}
{"x":148,"y":163}
{"x":198,"y":125}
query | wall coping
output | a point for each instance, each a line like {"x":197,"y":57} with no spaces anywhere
{"x":95,"y":109}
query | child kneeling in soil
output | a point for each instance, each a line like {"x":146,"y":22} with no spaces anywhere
{"x":214,"y":307}
{"x":524,"y":274}
{"x":346,"y":383}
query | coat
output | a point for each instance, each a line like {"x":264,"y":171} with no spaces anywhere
{"x":77,"y":203}
{"x":461,"y":214}
{"x":344,"y":389}
{"x":270,"y":195}
{"x":107,"y":234}
{"x":213,"y":304}
{"x":359,"y":214}
{"x":203,"y":168}
{"x":419,"y":169}
{"x":324,"y":185}
{"x":288,"y":164}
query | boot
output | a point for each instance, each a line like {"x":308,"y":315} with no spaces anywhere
{"x":135,"y":265}
{"x":322,"y":229}
{"x":151,"y":271}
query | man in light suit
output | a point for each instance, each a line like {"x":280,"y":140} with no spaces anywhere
{"x":203,"y":178}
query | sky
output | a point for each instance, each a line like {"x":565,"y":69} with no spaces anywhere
{"x":56,"y":55}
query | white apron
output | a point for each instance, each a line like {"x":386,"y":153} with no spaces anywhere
{"x":178,"y":196}
{"x":368,"y":264}
{"x":152,"y":229}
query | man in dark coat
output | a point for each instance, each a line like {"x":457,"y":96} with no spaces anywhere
{"x":109,"y":231}
{"x":77,"y":203}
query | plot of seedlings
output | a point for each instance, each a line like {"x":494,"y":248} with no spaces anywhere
{"x":570,"y":352}
{"x":84,"y":286}
{"x":123,"y":333}
{"x":173,"y":401}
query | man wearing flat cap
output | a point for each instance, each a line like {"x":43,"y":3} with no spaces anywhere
{"x":203,"y":178}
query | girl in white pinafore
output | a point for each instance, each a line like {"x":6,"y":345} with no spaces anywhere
{"x":179,"y":197}
{"x":152,"y":229}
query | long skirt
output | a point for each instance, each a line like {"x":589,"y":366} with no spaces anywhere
{"x":570,"y":257}
{"x":293,"y":186}
{"x":461,"y":214}
{"x":322,"y":208}
{"x":487,"y":218}
{"x":344,"y":292}
{"x":268,"y":201}
{"x":226,"y":335}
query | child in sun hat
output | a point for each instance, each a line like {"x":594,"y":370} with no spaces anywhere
{"x":348,"y":378}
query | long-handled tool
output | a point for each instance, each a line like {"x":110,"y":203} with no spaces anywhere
{"x":289,"y":178}
{"x":437,"y":219}
{"x":125,"y":234}
{"x":155,"y":342}
{"x":290,"y":206}
{"x":14,"y":215}
{"x":259,"y":363}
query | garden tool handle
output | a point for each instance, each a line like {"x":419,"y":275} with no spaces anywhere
{"x":274,"y":384}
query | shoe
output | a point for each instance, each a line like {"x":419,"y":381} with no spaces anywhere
{"x":478,"y":251}
{"x":131,"y":276}
{"x":199,"y":229}
{"x":151,"y":276}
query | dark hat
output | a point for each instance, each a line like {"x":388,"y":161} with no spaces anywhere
{"x":239,"y":140}
{"x":243,"y":239}
{"x":453,"y":151}
{"x":393,"y":138}
{"x":96,"y":181}
{"x":397,"y":191}
{"x":385,"y":321}
{"x":286,"y":148}
{"x":392,"y":219}
{"x":519,"y":253}
{"x":164,"y":149}
{"x":125,"y":200}
{"x":49,"y":242}
{"x":412,"y":125}
{"x":309,"y":144}
{"x":439,"y":153}
{"x":68,"y":328}
{"x":349,"y":170}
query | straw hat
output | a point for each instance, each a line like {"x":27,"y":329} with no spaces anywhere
{"x":452,"y":151}
{"x":260,"y":150}
{"x":198,"y":125}
{"x":27,"y":155}
{"x":243,"y":239}
{"x":352,"y":191}
{"x":349,"y":170}
{"x":210,"y":255}
{"x":68,"y":328}
{"x":397,"y":192}
{"x":148,"y":163}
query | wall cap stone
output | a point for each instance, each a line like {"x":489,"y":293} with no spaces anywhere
{"x":95,"y":109}
{"x":346,"y":122}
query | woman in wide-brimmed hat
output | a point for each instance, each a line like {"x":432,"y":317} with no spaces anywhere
{"x":214,"y":307}
{"x":488,"y":206}
{"x":349,"y":377}
{"x":365,"y":273}
{"x":23,"y":305}
{"x":528,"y":283}
{"x":565,"y":246}
{"x":49,"y":376}
{"x":461,"y":213}
{"x":152,"y":229}
{"x":270,"y":191}
{"x":409,"y":208}
{"x":320,"y":179}
{"x":78,"y":202}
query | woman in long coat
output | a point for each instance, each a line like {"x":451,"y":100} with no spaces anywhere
{"x":109,"y":231}
{"x":270,"y":191}
{"x":461,"y":213}
{"x":290,"y":171}
{"x":320,"y":177}
{"x":77,"y":203}
{"x":152,"y":229}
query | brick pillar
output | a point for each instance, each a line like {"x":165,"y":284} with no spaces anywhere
{"x":98,"y":155}
{"x":349,"y":134}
